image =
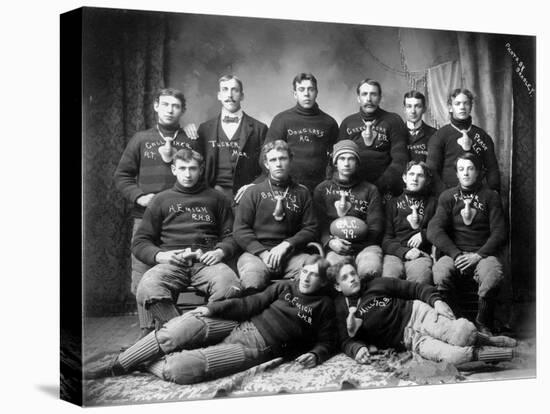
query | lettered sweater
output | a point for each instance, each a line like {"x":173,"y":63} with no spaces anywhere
{"x":399,"y":222}
{"x":485,"y":235}
{"x":286,"y":318}
{"x":383,"y":162}
{"x":385,"y":306}
{"x":365,"y":203}
{"x":310,"y":134}
{"x":256,"y":229}
{"x":141,"y":169}
{"x":197,"y":217}
{"x":443,"y":150}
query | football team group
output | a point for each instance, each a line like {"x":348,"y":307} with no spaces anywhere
{"x":308,"y":238}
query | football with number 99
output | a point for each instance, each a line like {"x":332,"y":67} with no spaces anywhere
{"x":348,"y":228}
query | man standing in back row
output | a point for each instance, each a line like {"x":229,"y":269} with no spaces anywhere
{"x":381,"y":137}
{"x":309,"y":132}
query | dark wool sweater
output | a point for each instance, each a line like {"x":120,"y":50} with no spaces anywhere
{"x":382,"y":163}
{"x":310,"y":134}
{"x":286,"y":318}
{"x":399,"y":229}
{"x":385,"y":306}
{"x":141,"y":169}
{"x":199,"y":217}
{"x":443,"y":150}
{"x":484,"y":236}
{"x":417,"y":145}
{"x":366,"y":204}
{"x":256,"y":229}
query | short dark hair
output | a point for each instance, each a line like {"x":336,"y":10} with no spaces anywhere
{"x":322,"y":263}
{"x":300,"y":77}
{"x":427,"y":171}
{"x":415,"y":94}
{"x":334,"y":271}
{"x":187,"y":154}
{"x":226,"y":78}
{"x":471,"y":157}
{"x":176,"y":93}
{"x":455,"y":92}
{"x":371,"y":82}
{"x":279,"y":145}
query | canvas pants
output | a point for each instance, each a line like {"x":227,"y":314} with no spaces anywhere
{"x":417,"y":270}
{"x":368,"y":261}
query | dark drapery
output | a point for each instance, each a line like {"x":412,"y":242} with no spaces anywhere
{"x":123,"y":66}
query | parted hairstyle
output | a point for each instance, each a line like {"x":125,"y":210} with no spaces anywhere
{"x":186,"y":154}
{"x":176,"y":93}
{"x":457,"y":92}
{"x":226,"y":78}
{"x":334,"y":271}
{"x":371,"y":82}
{"x":416,"y":95}
{"x":471,"y":157}
{"x":300,"y":77}
{"x":427,"y":171}
{"x":278,"y":145}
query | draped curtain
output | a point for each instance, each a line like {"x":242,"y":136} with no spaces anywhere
{"x":123,"y":66}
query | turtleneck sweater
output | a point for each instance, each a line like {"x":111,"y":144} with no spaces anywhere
{"x":365,"y":204}
{"x":141,"y":169}
{"x":310,"y":134}
{"x":487,"y":231}
{"x":180,"y":218}
{"x":257,"y":230}
{"x":443,"y":150}
{"x":383,"y":162}
{"x":398,"y":227}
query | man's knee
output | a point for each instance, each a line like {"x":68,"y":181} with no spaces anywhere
{"x":420,"y":270}
{"x":369,"y":262}
{"x":183,"y":332}
{"x":253,"y":272}
{"x":443,"y":271}
{"x":185,"y":367}
{"x":392,"y":266}
{"x":462,"y":332}
{"x":489,"y":275}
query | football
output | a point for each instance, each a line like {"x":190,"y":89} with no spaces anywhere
{"x":349,"y":228}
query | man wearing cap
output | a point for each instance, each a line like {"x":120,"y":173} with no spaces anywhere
{"x":232,"y":141}
{"x":345,"y":194}
{"x":381,"y":137}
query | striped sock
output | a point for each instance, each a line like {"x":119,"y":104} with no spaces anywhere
{"x":493,"y":354}
{"x":142,"y":351}
{"x":223,"y":360}
{"x":163,"y":311}
{"x":157,"y":368}
{"x":217,"y":329}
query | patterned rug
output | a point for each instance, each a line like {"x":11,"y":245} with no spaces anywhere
{"x":386,"y":369}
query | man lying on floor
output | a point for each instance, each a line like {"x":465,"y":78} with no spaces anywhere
{"x":232,"y":335}
{"x":394,"y":313}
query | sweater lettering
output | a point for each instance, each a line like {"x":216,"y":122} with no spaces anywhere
{"x":475,"y":201}
{"x":373,"y":304}
{"x":151,"y":148}
{"x":357,"y":204}
{"x":479,"y":145}
{"x":404,"y":205}
{"x":305,"y":312}
{"x":319,"y":133}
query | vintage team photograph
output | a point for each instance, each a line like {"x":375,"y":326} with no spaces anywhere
{"x":285,"y":206}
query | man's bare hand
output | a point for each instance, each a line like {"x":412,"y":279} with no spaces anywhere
{"x":173,"y":257}
{"x":191,"y":131}
{"x":144,"y":200}
{"x":363,"y":355}
{"x":200,"y":311}
{"x":276,"y":254}
{"x":465,"y":260}
{"x":212,"y":257}
{"x":443,"y":309}
{"x":308,"y":360}
{"x":339,"y":246}
{"x":415,"y":241}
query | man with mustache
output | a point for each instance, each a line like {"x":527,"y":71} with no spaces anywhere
{"x":232,"y":141}
{"x":381,"y":137}
{"x":458,"y":137}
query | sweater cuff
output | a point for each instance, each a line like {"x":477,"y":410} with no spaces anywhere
{"x":135,"y":194}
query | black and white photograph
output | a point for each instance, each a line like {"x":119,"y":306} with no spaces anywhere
{"x":296,"y":205}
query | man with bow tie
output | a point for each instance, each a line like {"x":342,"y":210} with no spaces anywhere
{"x":414,"y":106}
{"x":145,"y":167}
{"x":458,"y":137}
{"x":381,"y":137}
{"x":232,"y":141}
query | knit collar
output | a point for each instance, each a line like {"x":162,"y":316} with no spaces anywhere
{"x":462,"y":124}
{"x":280,"y":183}
{"x":168,"y":129}
{"x":372,"y":116}
{"x":470,"y":190}
{"x":416,"y":194}
{"x":345,"y":184}
{"x":197,"y":188}
{"x":314,"y":110}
